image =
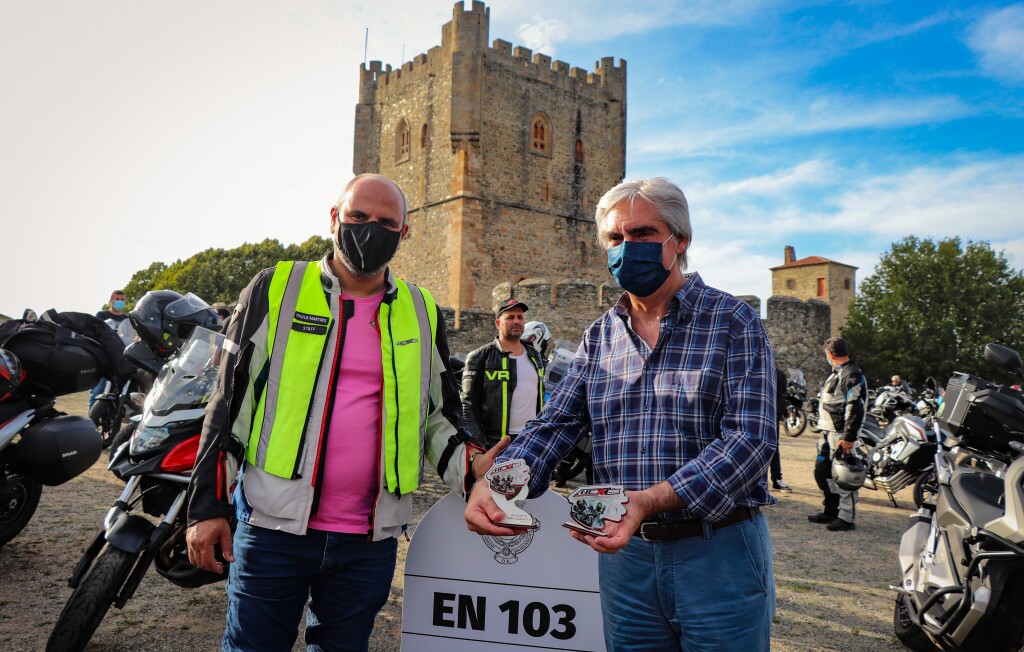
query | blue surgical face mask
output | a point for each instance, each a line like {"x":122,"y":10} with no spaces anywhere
{"x":118,"y":304}
{"x":637,"y":266}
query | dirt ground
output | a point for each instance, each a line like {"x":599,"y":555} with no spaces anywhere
{"x":832,"y":587}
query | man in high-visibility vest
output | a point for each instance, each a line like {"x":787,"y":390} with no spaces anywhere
{"x":335,"y":389}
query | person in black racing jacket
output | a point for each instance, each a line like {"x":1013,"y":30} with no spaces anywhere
{"x":503,"y":381}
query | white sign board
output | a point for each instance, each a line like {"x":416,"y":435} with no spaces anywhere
{"x":534,"y":591}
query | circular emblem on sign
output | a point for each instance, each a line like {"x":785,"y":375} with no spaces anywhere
{"x":507,"y":549}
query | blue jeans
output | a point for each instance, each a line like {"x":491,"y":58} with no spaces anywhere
{"x":345,"y":579}
{"x":695,"y":594}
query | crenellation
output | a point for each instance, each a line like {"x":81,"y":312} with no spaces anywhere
{"x":502,"y":46}
{"x":542,"y":60}
{"x":578,"y":73}
{"x":561,"y":67}
{"x":520,"y":52}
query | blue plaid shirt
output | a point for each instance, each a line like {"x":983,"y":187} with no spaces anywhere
{"x":698,"y":410}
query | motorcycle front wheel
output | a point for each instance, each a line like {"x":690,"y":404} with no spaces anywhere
{"x":926,"y":489}
{"x":90,"y":601}
{"x":794,"y":422}
{"x":906,"y":631}
{"x":19,"y":497}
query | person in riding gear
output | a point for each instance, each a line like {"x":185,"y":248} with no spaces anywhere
{"x":840,"y":416}
{"x":503,"y":381}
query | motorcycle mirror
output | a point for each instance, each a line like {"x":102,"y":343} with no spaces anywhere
{"x":141,"y":356}
{"x":1003,"y":358}
{"x":931,"y":383}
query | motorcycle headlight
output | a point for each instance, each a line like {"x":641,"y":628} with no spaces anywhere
{"x":147,"y":438}
{"x":876,"y":456}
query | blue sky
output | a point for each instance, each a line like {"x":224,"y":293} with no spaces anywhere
{"x":142,"y":131}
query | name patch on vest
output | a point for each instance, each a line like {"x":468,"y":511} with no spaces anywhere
{"x":313,"y":329}
{"x":311,"y":319}
{"x":404,"y":342}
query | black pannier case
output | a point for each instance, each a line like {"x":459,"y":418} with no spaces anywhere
{"x":981,"y":414}
{"x":57,"y":361}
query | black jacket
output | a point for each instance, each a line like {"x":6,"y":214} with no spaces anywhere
{"x":488,"y":382}
{"x":843,"y":397}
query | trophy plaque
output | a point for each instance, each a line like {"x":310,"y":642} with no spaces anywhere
{"x":508,"y":482}
{"x":591,"y":508}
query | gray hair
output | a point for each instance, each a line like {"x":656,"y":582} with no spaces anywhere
{"x":347,"y":190}
{"x":666,"y":198}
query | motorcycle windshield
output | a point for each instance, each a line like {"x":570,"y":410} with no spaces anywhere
{"x":188,"y":379}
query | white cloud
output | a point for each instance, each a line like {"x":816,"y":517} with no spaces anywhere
{"x":542,"y":34}
{"x":998,"y":39}
{"x":808,"y":173}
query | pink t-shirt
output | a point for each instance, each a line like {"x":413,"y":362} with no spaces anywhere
{"x":350,"y":462}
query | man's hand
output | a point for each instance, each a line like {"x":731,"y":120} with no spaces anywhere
{"x":482,"y":513}
{"x":485,"y":461}
{"x":201,"y":538}
{"x":845,"y":446}
{"x":619,"y":534}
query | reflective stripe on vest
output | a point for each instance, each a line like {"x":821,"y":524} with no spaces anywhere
{"x":299,"y":321}
{"x":408,"y":328}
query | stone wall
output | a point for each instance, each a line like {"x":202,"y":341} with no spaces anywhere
{"x":797,"y":329}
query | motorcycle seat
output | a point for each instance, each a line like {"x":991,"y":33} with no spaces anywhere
{"x":979,"y":495}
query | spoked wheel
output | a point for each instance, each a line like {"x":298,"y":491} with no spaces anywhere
{"x":926,"y":489}
{"x":19,"y":497}
{"x":90,"y":601}
{"x":906,"y":631}
{"x":794,"y":422}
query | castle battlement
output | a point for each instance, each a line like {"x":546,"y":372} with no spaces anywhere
{"x":468,"y":32}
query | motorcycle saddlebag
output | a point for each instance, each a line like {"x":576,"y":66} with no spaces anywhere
{"x":981,"y":415}
{"x":58,"y":449}
{"x":57,"y":361}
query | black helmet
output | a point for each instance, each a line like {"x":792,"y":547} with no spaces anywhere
{"x":11,"y":373}
{"x":849,"y":471}
{"x":164,"y":319}
{"x":58,"y":449}
{"x":172,"y":562}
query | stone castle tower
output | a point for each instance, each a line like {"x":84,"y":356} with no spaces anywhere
{"x":503,"y":155}
{"x":818,"y":278}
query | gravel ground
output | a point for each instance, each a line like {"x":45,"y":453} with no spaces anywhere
{"x":832,"y":587}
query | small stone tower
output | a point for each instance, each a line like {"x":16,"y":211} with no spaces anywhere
{"x":819,"y":278}
{"x":503,"y":155}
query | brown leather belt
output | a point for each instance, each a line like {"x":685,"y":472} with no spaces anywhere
{"x":668,"y":530}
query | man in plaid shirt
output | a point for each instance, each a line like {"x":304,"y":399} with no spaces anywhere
{"x":677,"y":384}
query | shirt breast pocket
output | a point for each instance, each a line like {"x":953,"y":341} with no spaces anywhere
{"x":686,"y":389}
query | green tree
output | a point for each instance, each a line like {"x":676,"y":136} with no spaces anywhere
{"x":930,"y":308}
{"x":221,"y":274}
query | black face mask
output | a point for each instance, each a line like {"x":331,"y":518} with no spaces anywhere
{"x":368,"y":246}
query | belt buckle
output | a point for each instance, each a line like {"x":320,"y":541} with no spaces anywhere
{"x":642,"y":531}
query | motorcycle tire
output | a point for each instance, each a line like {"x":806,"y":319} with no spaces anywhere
{"x":926,"y":489}
{"x":90,"y":601}
{"x":794,"y":423}
{"x":573,"y":465}
{"x":906,"y":631}
{"x":16,"y":510}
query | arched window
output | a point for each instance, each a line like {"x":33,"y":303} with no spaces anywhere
{"x":402,"y":141}
{"x":579,"y":151}
{"x":424,"y":135}
{"x":540,"y":135}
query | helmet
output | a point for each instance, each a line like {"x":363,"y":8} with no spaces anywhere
{"x":11,"y":373}
{"x":537,"y":334}
{"x":164,"y":319}
{"x":172,"y":562}
{"x":849,"y":471}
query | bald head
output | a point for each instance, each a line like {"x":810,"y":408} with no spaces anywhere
{"x":370,"y":179}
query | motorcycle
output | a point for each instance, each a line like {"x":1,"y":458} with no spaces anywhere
{"x":156,"y":464}
{"x":890,"y":402}
{"x":117,"y":404}
{"x":40,"y":445}
{"x":580,"y":458}
{"x":793,"y":417}
{"x":962,"y":562}
{"x":896,"y":456}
